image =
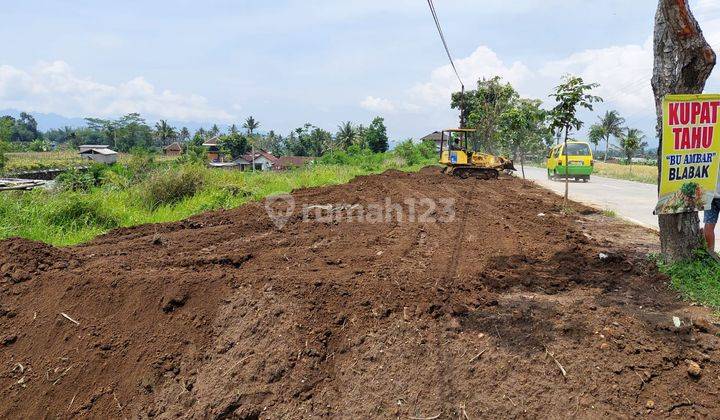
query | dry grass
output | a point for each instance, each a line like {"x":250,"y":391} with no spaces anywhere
{"x":30,"y":161}
{"x":639,"y":173}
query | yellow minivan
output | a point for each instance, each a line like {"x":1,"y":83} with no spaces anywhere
{"x":577,"y":164}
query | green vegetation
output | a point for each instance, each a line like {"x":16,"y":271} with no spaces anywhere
{"x":609,"y":213}
{"x":142,"y":190}
{"x":632,"y":141}
{"x":610,"y":125}
{"x":697,"y":280}
{"x":3,"y":155}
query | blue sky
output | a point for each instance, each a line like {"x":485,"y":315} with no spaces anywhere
{"x":290,"y":62}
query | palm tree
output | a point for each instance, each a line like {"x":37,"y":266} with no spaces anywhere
{"x":631,"y":142}
{"x":251,"y":125}
{"x":164,"y":132}
{"x":345,"y":135}
{"x":612,"y":124}
{"x":597,"y":133}
{"x":233,"y":129}
{"x":184,"y":135}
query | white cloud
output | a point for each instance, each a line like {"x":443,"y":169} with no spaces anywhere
{"x":54,"y":87}
{"x":372,"y":103}
{"x":623,"y":72}
{"x":483,"y":62}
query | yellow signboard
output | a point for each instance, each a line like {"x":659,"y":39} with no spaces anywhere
{"x":690,"y":153}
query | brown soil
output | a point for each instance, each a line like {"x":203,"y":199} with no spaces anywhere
{"x":223,"y":315}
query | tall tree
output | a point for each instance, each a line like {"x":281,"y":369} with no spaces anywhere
{"x":107,"y":128}
{"x":234,"y":144}
{"x":26,"y":128}
{"x":483,"y":108}
{"x":199,"y":137}
{"x":7,"y":128}
{"x":596,"y":134}
{"x":345,"y":135}
{"x":251,"y":124}
{"x":132,"y":133}
{"x":612,"y":126}
{"x":184,"y":135}
{"x":165,"y":133}
{"x":376,"y":136}
{"x":524,"y":129}
{"x":683,"y":63}
{"x":631,"y":142}
{"x":275,"y":143}
{"x":571,"y":94}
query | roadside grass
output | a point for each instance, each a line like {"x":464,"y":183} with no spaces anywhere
{"x":609,"y":213}
{"x":697,"y":280}
{"x":61,"y":217}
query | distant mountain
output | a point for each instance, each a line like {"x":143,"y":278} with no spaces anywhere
{"x":50,"y":121}
{"x":47,"y":121}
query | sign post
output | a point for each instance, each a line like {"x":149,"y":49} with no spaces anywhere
{"x":690,"y":153}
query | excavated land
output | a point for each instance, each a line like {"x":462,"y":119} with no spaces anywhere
{"x":511,"y":308}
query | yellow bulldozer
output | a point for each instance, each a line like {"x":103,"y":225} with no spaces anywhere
{"x":462,"y":162}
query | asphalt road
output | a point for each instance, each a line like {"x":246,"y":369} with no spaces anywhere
{"x":630,"y":200}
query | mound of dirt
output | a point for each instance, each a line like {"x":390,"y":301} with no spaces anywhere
{"x":396,"y":295}
{"x":22,"y":259}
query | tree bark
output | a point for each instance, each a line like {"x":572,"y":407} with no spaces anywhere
{"x":607,"y":147}
{"x":567,"y":168}
{"x":683,"y":62}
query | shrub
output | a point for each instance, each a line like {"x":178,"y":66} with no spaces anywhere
{"x":335,"y":157}
{"x":4,"y":148}
{"x":75,"y":180}
{"x":414,"y":154}
{"x":76,"y":211}
{"x":408,"y":152}
{"x":193,"y":154}
{"x":141,"y":163}
{"x":171,"y":185}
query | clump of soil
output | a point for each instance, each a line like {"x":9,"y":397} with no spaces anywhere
{"x":22,"y":259}
{"x":475,"y":309}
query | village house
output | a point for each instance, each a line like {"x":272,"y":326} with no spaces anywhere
{"x":263,"y":160}
{"x":98,"y":153}
{"x":214,"y":153}
{"x":174,"y":149}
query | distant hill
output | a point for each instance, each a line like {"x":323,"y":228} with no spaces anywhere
{"x":50,"y":121}
{"x":47,"y":121}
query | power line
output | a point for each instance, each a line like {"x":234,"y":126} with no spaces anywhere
{"x":442,"y":38}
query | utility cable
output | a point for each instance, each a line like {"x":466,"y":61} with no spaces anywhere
{"x":442,"y":38}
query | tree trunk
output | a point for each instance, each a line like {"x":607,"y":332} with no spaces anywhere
{"x":567,"y":168}
{"x":522,"y":163}
{"x":607,"y":147}
{"x":683,"y":62}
